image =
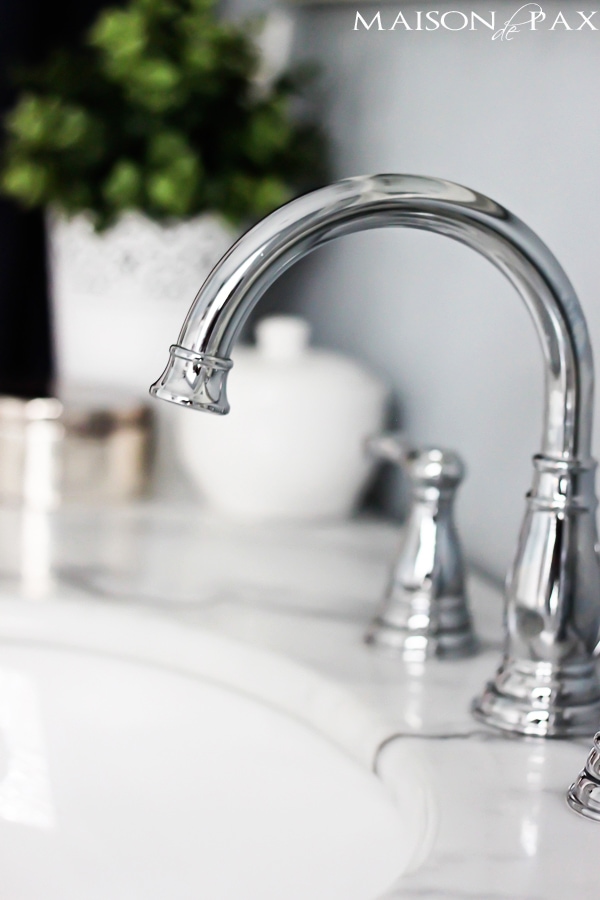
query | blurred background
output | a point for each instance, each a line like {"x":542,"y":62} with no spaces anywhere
{"x":517,"y":120}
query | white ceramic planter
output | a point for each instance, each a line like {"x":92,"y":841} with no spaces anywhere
{"x":293,"y":445}
{"x":120,"y":296}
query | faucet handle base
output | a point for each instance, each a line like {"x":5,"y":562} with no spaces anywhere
{"x":542,"y":699}
{"x":413,"y":644}
{"x":584,"y":794}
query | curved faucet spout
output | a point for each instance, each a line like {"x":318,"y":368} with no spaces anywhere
{"x":547,"y":683}
{"x":200,"y":359}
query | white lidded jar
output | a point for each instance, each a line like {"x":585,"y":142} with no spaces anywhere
{"x":293,"y":445}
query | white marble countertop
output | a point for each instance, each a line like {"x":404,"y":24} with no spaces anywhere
{"x":502,"y":827}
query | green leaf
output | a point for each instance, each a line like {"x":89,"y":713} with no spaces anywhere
{"x":123,"y":187}
{"x":268,"y":133}
{"x":120,"y":33}
{"x":270,"y":193}
{"x":172,"y":189}
{"x":26,"y":181}
{"x":154,"y":84}
{"x":30,"y":121}
{"x":167,"y":146}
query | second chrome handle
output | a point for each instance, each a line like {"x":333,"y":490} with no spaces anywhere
{"x":425,"y":610}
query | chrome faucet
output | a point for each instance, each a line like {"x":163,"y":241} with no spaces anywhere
{"x":547,"y":683}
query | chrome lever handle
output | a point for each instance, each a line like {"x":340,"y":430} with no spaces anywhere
{"x":425,"y":610}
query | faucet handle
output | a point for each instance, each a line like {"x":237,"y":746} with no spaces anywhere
{"x":391,"y":446}
{"x":584,"y":794}
{"x":425,"y":610}
{"x":426,"y":466}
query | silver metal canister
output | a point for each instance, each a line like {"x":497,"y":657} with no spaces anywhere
{"x":82,"y":448}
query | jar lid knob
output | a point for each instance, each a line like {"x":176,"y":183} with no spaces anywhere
{"x":282,"y":338}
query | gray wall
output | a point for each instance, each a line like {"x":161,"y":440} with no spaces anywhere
{"x":519,"y":121}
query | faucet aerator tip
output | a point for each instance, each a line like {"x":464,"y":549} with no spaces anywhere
{"x":194,"y":380}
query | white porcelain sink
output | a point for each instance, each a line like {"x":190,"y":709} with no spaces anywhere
{"x":133,"y":765}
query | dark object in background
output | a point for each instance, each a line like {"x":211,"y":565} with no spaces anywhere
{"x":28,"y":30}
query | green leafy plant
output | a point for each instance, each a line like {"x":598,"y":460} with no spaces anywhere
{"x":160,"y":110}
